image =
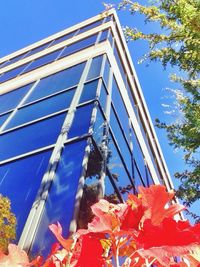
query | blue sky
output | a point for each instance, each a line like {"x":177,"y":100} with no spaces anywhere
{"x":23,"y":22}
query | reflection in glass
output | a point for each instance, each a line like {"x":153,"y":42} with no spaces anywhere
{"x":30,"y":137}
{"x":117,"y":170}
{"x":61,"y":199}
{"x":11,"y":99}
{"x":103,"y":96}
{"x":42,"y":108}
{"x":96,"y":186}
{"x":57,"y":82}
{"x":90,"y":26}
{"x":89,"y":91}
{"x":63,"y":38}
{"x":3,"y":118}
{"x":75,"y":47}
{"x":95,"y":68}
{"x":120,"y":109}
{"x":20,"y":181}
{"x":12,"y":73}
{"x":126,"y":154}
{"x":43,"y":60}
{"x":81,"y":122}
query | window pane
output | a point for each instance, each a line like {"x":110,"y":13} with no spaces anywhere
{"x":90,"y":26}
{"x":104,"y":36}
{"x":61,"y":199}
{"x":31,"y":137}
{"x":96,"y":185}
{"x":63,"y":38}
{"x":42,"y":108}
{"x":95,"y":68}
{"x":118,"y":171}
{"x":3,"y":118}
{"x":99,"y":127}
{"x":106,"y":73}
{"x":12,"y":73}
{"x":103,"y":96}
{"x":75,"y":47}
{"x":11,"y":99}
{"x":138,"y":155}
{"x":89,"y":91}
{"x":20,"y":181}
{"x":120,"y":140}
{"x":38,"y":49}
{"x":43,"y":60}
{"x":57,"y":82}
{"x":81,"y":122}
{"x":120,"y":109}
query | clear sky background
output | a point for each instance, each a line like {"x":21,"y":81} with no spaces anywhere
{"x":23,"y":22}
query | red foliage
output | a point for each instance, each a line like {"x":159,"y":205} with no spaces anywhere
{"x":138,"y":233}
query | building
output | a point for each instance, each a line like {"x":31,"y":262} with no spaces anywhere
{"x":74,"y":127}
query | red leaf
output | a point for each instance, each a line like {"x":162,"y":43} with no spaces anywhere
{"x":155,"y":198}
{"x":133,"y":214}
{"x":57,"y":231}
{"x":107,"y":216}
{"x":91,"y":251}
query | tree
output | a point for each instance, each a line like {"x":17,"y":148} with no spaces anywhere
{"x":177,"y":45}
{"x":7,"y":223}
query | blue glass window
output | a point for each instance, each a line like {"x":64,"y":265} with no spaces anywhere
{"x":99,"y":127}
{"x":5,"y":63}
{"x":75,"y":47}
{"x":11,"y":99}
{"x":38,"y":49}
{"x":121,"y":68}
{"x":120,"y":109}
{"x":12,"y":73}
{"x":30,"y":137}
{"x":106,"y":72}
{"x":42,"y":108}
{"x":104,"y":36}
{"x":120,"y":140}
{"x":81,"y":122}
{"x":3,"y":118}
{"x":57,"y":82}
{"x":89,"y":91}
{"x":117,"y":170}
{"x":90,"y":26}
{"x":138,"y":155}
{"x":95,"y":68}
{"x":61,"y":200}
{"x":43,"y":60}
{"x":20,"y":181}
{"x":63,"y":38}
{"x":103,"y":96}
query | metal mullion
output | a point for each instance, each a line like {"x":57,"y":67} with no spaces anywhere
{"x":18,"y":106}
{"x":39,"y":204}
{"x":21,"y":156}
{"x":34,"y":121}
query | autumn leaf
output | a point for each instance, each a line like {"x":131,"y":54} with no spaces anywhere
{"x":57,"y":231}
{"x":15,"y":257}
{"x":156,"y":198}
{"x":91,"y":251}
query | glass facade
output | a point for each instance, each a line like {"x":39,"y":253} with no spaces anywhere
{"x":69,"y":125}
